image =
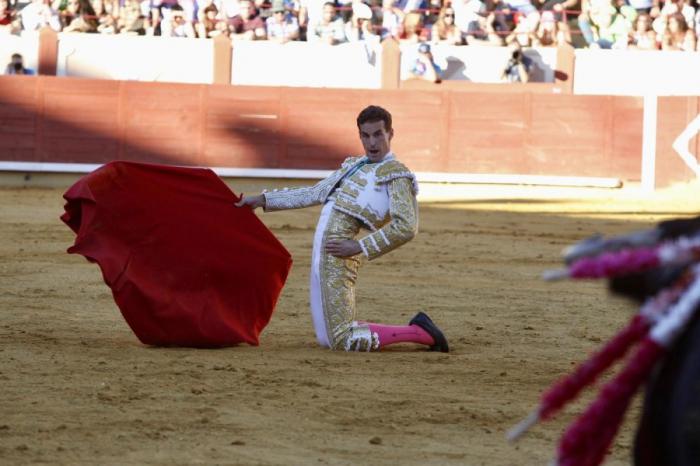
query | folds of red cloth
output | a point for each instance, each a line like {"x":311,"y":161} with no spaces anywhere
{"x":185,"y":266}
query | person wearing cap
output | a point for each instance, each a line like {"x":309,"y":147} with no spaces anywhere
{"x":424,"y":66}
{"x":369,"y":209}
{"x":359,"y":28}
{"x":282,"y":26}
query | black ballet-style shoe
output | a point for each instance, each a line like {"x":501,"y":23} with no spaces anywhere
{"x":423,"y":321}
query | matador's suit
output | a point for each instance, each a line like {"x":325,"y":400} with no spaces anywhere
{"x":380,"y":197}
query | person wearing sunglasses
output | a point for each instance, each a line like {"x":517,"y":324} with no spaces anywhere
{"x":444,"y":30}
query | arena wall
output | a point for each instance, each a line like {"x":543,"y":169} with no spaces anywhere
{"x":260,"y":63}
{"x":352,"y":65}
{"x":637,"y":72}
{"x":136,"y":58}
{"x":50,"y":119}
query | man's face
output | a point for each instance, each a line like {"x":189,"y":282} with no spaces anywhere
{"x":328,"y":12}
{"x":376,"y":140}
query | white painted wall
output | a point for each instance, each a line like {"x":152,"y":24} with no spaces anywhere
{"x":137,"y":58}
{"x":598,"y":72}
{"x":300,"y":64}
{"x":637,"y":72}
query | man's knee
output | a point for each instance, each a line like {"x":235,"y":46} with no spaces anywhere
{"x":356,"y":338}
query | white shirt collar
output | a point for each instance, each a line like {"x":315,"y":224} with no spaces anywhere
{"x":388,"y":156}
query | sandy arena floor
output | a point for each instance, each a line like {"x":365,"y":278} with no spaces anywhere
{"x":78,"y":388}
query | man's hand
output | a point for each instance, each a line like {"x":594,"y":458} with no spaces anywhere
{"x":253,"y":202}
{"x":343,"y":248}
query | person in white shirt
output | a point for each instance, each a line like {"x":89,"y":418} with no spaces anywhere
{"x":38,"y":14}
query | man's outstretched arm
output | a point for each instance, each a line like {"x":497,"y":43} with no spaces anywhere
{"x":297,"y":198}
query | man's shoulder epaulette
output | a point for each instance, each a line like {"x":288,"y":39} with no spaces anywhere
{"x":393,"y":169}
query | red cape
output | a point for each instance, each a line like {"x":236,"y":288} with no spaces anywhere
{"x":186,"y":267}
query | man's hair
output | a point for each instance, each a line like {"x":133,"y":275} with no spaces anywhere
{"x":374,"y":113}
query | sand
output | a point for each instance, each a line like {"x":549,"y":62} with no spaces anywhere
{"x":78,"y":388}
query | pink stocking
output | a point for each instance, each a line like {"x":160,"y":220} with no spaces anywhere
{"x":390,"y":334}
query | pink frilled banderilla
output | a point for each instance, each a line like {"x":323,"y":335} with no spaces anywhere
{"x":649,"y":335}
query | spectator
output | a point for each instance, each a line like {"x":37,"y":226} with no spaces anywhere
{"x":560,"y":7}
{"x":434,"y":8}
{"x":79,"y":17}
{"x":414,"y":30}
{"x":503,"y":18}
{"x":467,"y":16}
{"x":487,"y":33}
{"x":248,"y":25}
{"x":179,"y":25}
{"x":669,"y":8}
{"x":132,"y":21}
{"x":523,"y":33}
{"x":642,"y":36}
{"x":190,"y":9}
{"x":8,"y":19}
{"x":642,"y":6}
{"x":206,"y":27}
{"x":282,"y":26}
{"x":344,"y":9}
{"x":359,"y":28}
{"x":445,"y":31}
{"x":606,"y":26}
{"x":392,"y":19}
{"x":38,"y":14}
{"x":106,"y":22}
{"x":16,"y":66}
{"x":525,"y":8}
{"x":330,"y":30}
{"x":409,"y":6}
{"x":678,"y":35}
{"x":519,"y":66}
{"x":424,"y":66}
{"x":679,"y":6}
{"x":229,"y":9}
{"x":161,"y":10}
{"x":311,"y":12}
{"x":551,"y":33}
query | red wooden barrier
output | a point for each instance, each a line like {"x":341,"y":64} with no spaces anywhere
{"x":52,"y":119}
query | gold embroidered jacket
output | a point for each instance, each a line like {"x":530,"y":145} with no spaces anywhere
{"x":381,"y":195}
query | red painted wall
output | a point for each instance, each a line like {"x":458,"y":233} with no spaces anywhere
{"x":54,"y":119}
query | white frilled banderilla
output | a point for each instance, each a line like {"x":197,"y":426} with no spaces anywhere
{"x":671,"y":301}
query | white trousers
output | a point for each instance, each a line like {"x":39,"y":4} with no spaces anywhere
{"x":317,"y":315}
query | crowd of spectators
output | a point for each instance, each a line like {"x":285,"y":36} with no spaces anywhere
{"x":634,"y":24}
